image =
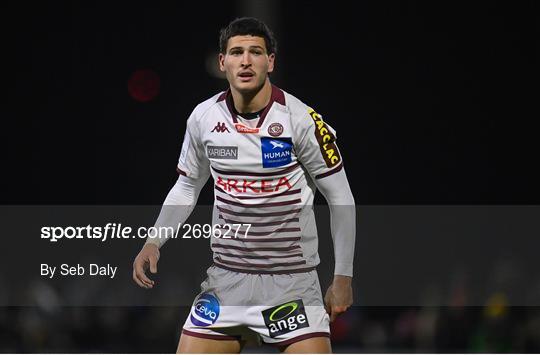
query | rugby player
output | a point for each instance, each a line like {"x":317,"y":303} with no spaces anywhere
{"x":268,"y":153}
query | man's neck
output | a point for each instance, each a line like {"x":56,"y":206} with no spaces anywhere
{"x":253,"y":101}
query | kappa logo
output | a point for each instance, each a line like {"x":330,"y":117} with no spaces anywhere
{"x":285,"y":318}
{"x":220,"y":128}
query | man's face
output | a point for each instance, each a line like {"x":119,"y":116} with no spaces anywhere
{"x":246,"y":62}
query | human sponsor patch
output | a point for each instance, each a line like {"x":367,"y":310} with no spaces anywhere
{"x":206,"y":310}
{"x":276,"y":151}
{"x":222,"y":152}
{"x":326,"y":140}
{"x":285,"y":318}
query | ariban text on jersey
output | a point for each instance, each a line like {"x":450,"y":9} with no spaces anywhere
{"x":222,"y":152}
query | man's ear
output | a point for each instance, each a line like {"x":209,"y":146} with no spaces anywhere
{"x":221,"y":59}
{"x":271,"y":60}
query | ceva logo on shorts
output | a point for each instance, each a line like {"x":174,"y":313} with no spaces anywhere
{"x":206,"y":310}
{"x":285,"y":318}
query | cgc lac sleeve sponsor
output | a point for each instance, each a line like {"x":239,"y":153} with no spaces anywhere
{"x":317,"y":148}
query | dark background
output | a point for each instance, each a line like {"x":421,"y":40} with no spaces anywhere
{"x":434,"y":103}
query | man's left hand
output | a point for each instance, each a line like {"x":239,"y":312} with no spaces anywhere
{"x":339,"y":296}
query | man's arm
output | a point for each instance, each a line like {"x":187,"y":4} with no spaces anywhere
{"x":177,"y":207}
{"x":316,"y":148}
{"x":335,"y":188}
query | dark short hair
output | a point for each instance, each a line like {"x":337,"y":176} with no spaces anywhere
{"x":247,"y":26}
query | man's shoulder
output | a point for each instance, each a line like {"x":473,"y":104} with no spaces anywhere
{"x":298,"y":110}
{"x":207,"y":104}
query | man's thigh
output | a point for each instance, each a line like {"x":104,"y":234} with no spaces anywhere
{"x":189,"y":344}
{"x":318,"y":345}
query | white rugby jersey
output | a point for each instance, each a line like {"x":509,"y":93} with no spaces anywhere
{"x":263,"y":171}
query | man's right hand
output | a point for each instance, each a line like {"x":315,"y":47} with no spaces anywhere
{"x":147,"y":258}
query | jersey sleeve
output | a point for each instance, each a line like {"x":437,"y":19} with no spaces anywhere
{"x":193,"y":162}
{"x":316,"y":146}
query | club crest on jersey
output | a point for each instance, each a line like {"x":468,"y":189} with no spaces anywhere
{"x":206,"y":310}
{"x":220,"y":128}
{"x":276,"y":151}
{"x":275,"y":129}
{"x":285,"y":318}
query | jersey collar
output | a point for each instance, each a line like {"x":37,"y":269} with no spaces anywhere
{"x":276,"y":96}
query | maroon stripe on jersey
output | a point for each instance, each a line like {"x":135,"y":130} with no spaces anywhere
{"x":253,"y":214}
{"x":273,"y":272}
{"x":269,"y":204}
{"x":247,"y":173}
{"x":180,"y":171}
{"x":223,"y":95}
{"x":228,"y":102}
{"x":280,"y":230}
{"x":289,"y":192}
{"x":276,"y":96}
{"x":328,"y":173}
{"x":259,"y":256}
{"x":223,"y":246}
{"x":263,"y":266}
{"x":262,"y":240}
{"x":277,"y":223}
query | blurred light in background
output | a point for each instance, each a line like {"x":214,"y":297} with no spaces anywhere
{"x":143,"y":85}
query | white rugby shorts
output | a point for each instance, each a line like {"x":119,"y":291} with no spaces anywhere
{"x":278,"y":309}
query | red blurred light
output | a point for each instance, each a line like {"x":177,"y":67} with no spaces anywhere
{"x":143,"y":85}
